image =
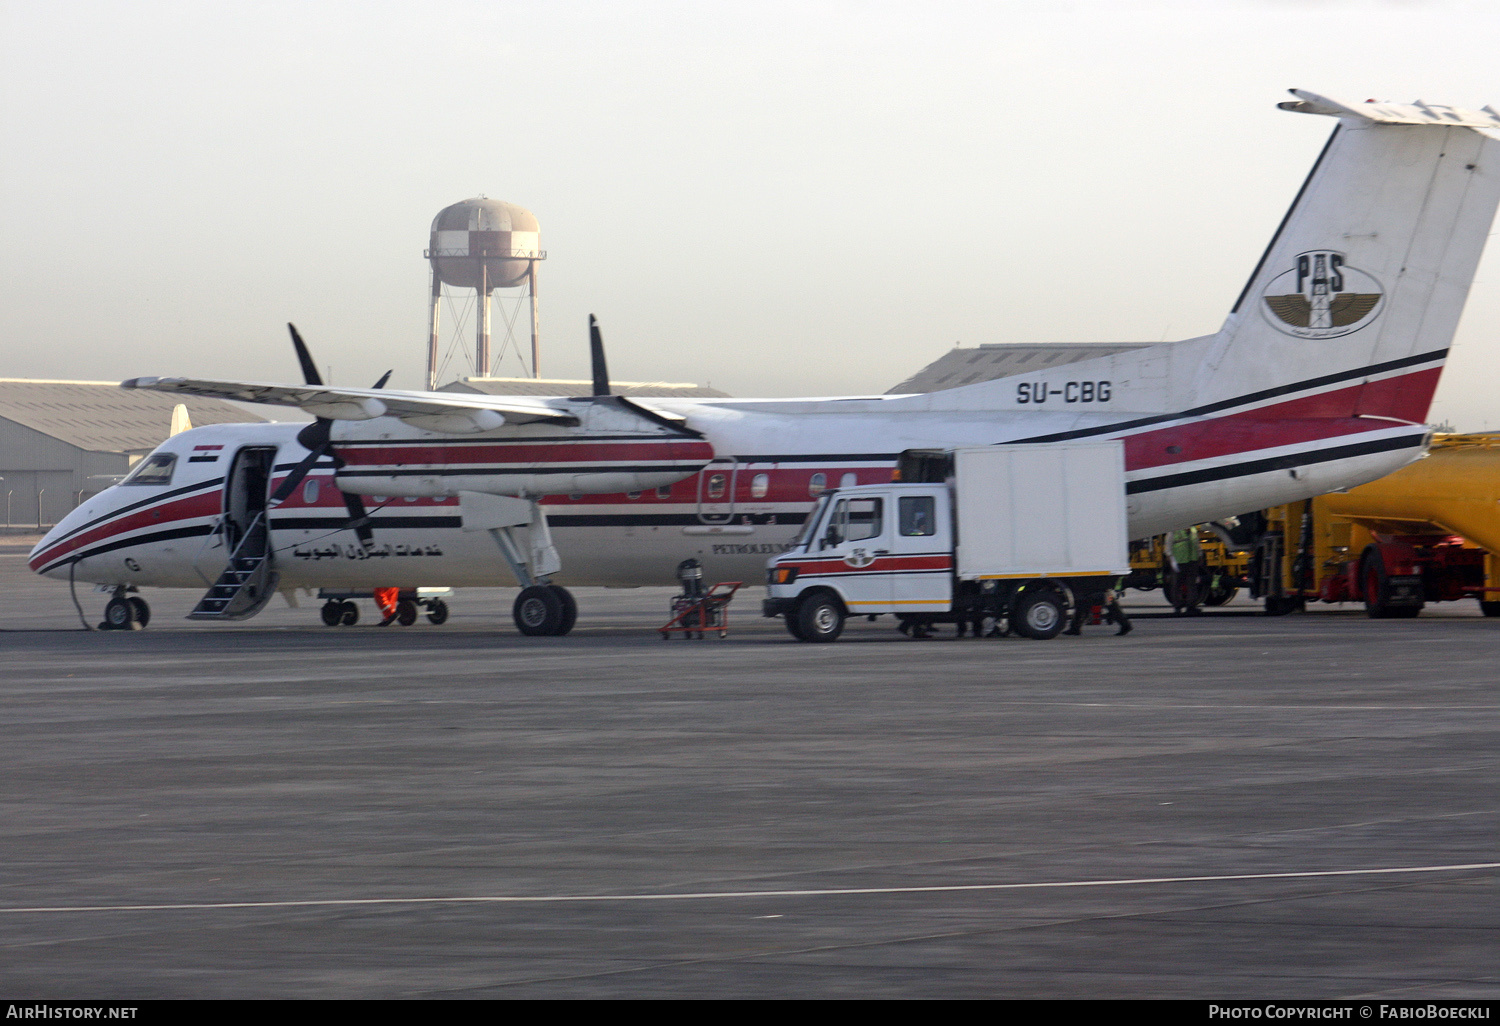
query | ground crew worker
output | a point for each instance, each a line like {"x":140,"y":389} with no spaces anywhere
{"x":1095,"y":606}
{"x":1185,"y":556}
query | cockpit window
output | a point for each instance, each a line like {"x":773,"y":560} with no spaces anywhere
{"x":153,"y":470}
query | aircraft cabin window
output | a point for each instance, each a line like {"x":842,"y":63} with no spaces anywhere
{"x":917,"y":516}
{"x":632,"y":495}
{"x":716,"y":483}
{"x":849,"y":480}
{"x":664,"y":492}
{"x":310,"y":491}
{"x":760,"y":484}
{"x":153,"y":470}
{"x":817,"y":485}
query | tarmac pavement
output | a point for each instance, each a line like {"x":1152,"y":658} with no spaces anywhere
{"x":1227,"y":806}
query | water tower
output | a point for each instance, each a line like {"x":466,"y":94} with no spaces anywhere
{"x":483,"y":244}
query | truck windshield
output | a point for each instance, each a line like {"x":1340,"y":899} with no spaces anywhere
{"x":813,"y":516}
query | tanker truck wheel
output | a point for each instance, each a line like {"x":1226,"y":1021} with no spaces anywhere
{"x":1489,"y":608}
{"x":1378,"y":591}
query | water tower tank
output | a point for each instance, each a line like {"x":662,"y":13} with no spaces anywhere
{"x":483,"y":242}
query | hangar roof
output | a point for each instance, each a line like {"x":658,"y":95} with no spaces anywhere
{"x":569,"y":387}
{"x":100,"y":416}
{"x":987,"y":362}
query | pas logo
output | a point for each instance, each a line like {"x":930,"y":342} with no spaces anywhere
{"x":859,"y":559}
{"x":1321,"y":297}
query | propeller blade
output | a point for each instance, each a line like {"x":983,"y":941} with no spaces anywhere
{"x":314,"y":438}
{"x":596,"y":354}
{"x":384,"y":378}
{"x":293,"y":479}
{"x":359,"y":519}
{"x":310,"y":373}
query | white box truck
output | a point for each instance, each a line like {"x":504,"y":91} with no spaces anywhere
{"x":1015,"y":533}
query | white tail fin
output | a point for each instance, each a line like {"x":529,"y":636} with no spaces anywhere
{"x":1371,"y":266}
{"x":1354,"y":301}
{"x":180,"y":421}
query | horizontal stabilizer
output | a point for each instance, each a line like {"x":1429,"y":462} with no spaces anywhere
{"x":1417,"y":113}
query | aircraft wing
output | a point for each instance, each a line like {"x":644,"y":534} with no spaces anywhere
{"x":439,"y":411}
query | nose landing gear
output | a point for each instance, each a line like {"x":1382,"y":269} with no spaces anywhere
{"x":125,"y":612}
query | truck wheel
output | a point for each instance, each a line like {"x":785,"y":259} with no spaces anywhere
{"x":437,"y":611}
{"x":1489,"y":608}
{"x":538,"y":611}
{"x":1377,"y":592}
{"x":791,"y":625}
{"x":1039,"y":615}
{"x":1280,"y":605}
{"x":819,"y":618}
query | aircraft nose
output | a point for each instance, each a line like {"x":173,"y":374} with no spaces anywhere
{"x":45,"y":558}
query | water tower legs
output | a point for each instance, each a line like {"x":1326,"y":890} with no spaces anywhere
{"x":433,"y":313}
{"x":482,"y":329}
{"x":536,"y":370}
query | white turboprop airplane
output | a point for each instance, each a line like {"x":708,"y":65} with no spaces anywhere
{"x":1319,"y":379}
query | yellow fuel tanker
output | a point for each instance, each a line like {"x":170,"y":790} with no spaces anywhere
{"x":1427,"y":533}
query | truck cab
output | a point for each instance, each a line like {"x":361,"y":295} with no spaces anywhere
{"x":876,"y":548}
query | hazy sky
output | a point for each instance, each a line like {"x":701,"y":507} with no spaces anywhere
{"x":777,"y":198}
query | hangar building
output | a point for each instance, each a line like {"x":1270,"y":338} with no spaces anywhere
{"x":62,"y":441}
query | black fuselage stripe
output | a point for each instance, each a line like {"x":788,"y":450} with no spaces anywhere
{"x":521,"y":470}
{"x":124,"y":543}
{"x":1186,"y":479}
{"x":115,"y":514}
{"x":530,"y":440}
{"x":1286,"y":462}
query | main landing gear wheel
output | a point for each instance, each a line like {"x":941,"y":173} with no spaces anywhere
{"x":437,"y":611}
{"x":570,"y":609}
{"x":142,"y":611}
{"x":120,"y":615}
{"x":544,"y":611}
{"x":820,"y":618}
{"x":332,"y":613}
{"x":348,"y":613}
{"x":406,"y":612}
{"x":1039,"y":616}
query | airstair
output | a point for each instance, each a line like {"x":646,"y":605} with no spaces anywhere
{"x":247,"y":583}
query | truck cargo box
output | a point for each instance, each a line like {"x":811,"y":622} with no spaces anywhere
{"x":1055,"y":510}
